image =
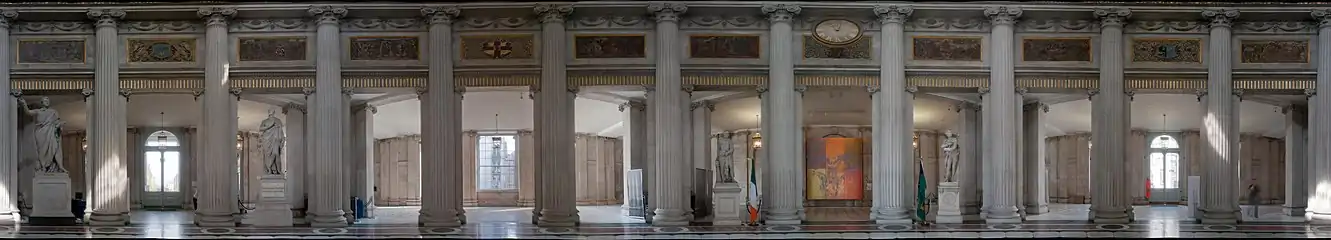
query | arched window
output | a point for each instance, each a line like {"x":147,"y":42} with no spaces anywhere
{"x":1164,"y":142}
{"x":1163,"y":159}
{"x":162,"y":165}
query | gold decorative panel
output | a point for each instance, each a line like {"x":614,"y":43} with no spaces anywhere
{"x":1274,"y":51}
{"x":166,"y":50}
{"x":51,"y":51}
{"x":938,"y":48}
{"x":271,"y":49}
{"x":859,"y":49}
{"x":385,"y":48}
{"x":725,"y":46}
{"x":513,"y":46}
{"x":1056,"y":49}
{"x":610,"y":46}
{"x":1167,"y":50}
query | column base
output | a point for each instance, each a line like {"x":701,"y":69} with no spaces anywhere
{"x":783,"y":218}
{"x":1318,"y":217}
{"x":668,"y":217}
{"x":443,"y":219}
{"x":214,"y":220}
{"x":1002,"y":215}
{"x":1295,"y":211}
{"x":99,"y":219}
{"x":1037,"y":209}
{"x":894,"y":221}
{"x":330,"y":219}
{"x":1219,"y":217}
{"x":558,"y":219}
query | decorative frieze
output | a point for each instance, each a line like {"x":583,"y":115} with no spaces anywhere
{"x":948,"y":25}
{"x":377,"y":24}
{"x":1274,"y":51}
{"x":1058,"y":26}
{"x":506,"y":46}
{"x":609,"y":46}
{"x":252,"y":49}
{"x":161,"y":27}
{"x":24,"y":27}
{"x":271,"y":25}
{"x":498,"y":23}
{"x":1036,"y":49}
{"x":48,"y":51}
{"x":609,"y":22}
{"x":1275,"y":27}
{"x":725,"y":46}
{"x":1167,"y":50}
{"x":946,"y":48}
{"x":384,"y":48}
{"x":859,"y":49}
{"x":162,"y":50}
{"x":732,"y":22}
{"x":1165,"y":27}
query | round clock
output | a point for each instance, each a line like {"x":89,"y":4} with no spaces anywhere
{"x":837,"y":31}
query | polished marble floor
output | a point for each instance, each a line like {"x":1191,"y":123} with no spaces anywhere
{"x":604,"y":222}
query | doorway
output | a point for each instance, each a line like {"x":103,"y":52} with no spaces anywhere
{"x":162,"y":171}
{"x":1164,"y":173}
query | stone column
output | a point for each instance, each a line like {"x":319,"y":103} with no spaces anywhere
{"x":215,"y":200}
{"x":309,"y":148}
{"x":556,"y":136}
{"x":1002,"y":83}
{"x":986,"y":186}
{"x":349,"y":158}
{"x":700,"y":138}
{"x":670,"y":197}
{"x":1296,"y":180}
{"x":893,"y":156}
{"x":783,"y":137}
{"x":295,"y":156}
{"x":107,"y":139}
{"x":441,"y":125}
{"x":968,"y":171}
{"x":649,"y":153}
{"x":1319,"y":139}
{"x":8,"y":134}
{"x":537,"y":130}
{"x":362,"y":138}
{"x":763,"y":160}
{"x":1036,"y":196}
{"x":326,"y":198}
{"x":635,"y":143}
{"x":1220,"y":202}
{"x":1110,"y":202}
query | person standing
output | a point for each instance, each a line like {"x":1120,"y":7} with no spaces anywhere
{"x":1253,"y":199}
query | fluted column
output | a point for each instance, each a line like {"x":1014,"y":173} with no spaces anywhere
{"x":670,"y":197}
{"x":1002,"y":83}
{"x":893,"y":157}
{"x":968,"y":172}
{"x":441,"y":119}
{"x":215,"y":200}
{"x":8,"y":120}
{"x":556,"y":136}
{"x":1220,"y":202}
{"x":635,"y":146}
{"x":362,"y":138}
{"x":296,"y":160}
{"x":784,"y":136}
{"x":537,"y":130}
{"x":1036,"y":185}
{"x":649,"y":153}
{"x":311,"y":117}
{"x":348,"y":144}
{"x":108,"y":137}
{"x":1319,"y":139}
{"x":700,"y":138}
{"x":326,"y":198}
{"x":1296,"y":179}
{"x":1110,"y":202}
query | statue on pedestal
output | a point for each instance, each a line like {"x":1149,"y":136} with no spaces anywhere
{"x":46,"y":134}
{"x":725,"y":163}
{"x":951,"y":155}
{"x":272,"y":142}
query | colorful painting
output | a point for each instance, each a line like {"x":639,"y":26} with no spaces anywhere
{"x":51,"y":51}
{"x":498,"y":47}
{"x":385,"y":48}
{"x":610,"y":46}
{"x":1275,"y":51}
{"x":1164,"y":50}
{"x":161,"y":50}
{"x":272,"y":49}
{"x":860,"y":49}
{"x":725,"y":46}
{"x":834,"y":169}
{"x":947,"y":48}
{"x":1056,"y":49}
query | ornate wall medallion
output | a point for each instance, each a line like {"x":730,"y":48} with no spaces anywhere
{"x":161,"y":50}
{"x":1056,"y":49}
{"x":1274,"y":51}
{"x":52,"y":51}
{"x":724,"y":46}
{"x":272,"y":49}
{"x":498,"y":46}
{"x":1167,"y":50}
{"x":385,"y":48}
{"x":947,"y":48}
{"x":859,"y":49}
{"x":610,"y":46}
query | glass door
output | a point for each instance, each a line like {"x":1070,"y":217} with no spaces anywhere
{"x":162,"y":172}
{"x":1163,"y":165}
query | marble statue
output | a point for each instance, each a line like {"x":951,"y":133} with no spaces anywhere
{"x":725,"y":163}
{"x":272,"y":142}
{"x":951,"y":156}
{"x":46,"y":134}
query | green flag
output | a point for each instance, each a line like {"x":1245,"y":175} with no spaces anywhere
{"x":921,"y":196}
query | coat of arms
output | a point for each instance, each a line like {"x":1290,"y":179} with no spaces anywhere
{"x":497,"y":48}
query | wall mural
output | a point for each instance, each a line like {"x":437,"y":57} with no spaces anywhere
{"x":724,"y":46}
{"x":161,"y":50}
{"x":385,"y":48}
{"x":272,"y":49}
{"x":834,"y":169}
{"x":52,"y":51}
{"x":1056,"y":49}
{"x":1274,"y":51}
{"x":1167,"y":50}
{"x":498,"y":46}
{"x":610,"y":46}
{"x":947,"y":48}
{"x":859,"y":49}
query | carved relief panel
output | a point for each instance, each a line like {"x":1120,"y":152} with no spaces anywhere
{"x":509,"y":49}
{"x":609,"y":46}
{"x":252,"y":49}
{"x":947,"y":48}
{"x":1166,"y":50}
{"x":1037,"y":49}
{"x":52,"y":51}
{"x":1274,"y":51}
{"x":384,"y":48}
{"x":725,"y":46}
{"x":161,"y":50}
{"x":861,"y":49}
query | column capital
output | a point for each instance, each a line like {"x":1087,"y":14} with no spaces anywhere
{"x":16,"y":93}
{"x":1323,"y":17}
{"x":687,"y":88}
{"x":87,"y":92}
{"x":7,"y":17}
{"x":1237,"y":93}
{"x":1091,"y":92}
{"x":1309,"y":92}
{"x":348,"y":91}
{"x":872,"y":90}
{"x":216,"y":15}
{"x":1022,"y":91}
{"x":695,"y":105}
{"x":293,"y":106}
{"x":761,"y":90}
{"x":1002,"y":15}
{"x":441,"y":14}
{"x":1130,"y":94}
{"x":666,"y":11}
{"x":1221,"y":17}
{"x":780,"y":12}
{"x":982,"y":91}
{"x":307,"y":91}
{"x":235,"y":91}
{"x":1035,"y":106}
{"x":325,"y":14}
{"x":893,"y":13}
{"x":524,"y":132}
{"x":574,"y":90}
{"x":370,"y":108}
{"x":197,"y":94}
{"x":632,"y":105}
{"x":420,"y":92}
{"x":106,"y":17}
{"x":126,"y":92}
{"x":553,"y":12}
{"x":801,"y":89}
{"x":1112,"y":16}
{"x":649,"y":88}
{"x":1200,"y":93}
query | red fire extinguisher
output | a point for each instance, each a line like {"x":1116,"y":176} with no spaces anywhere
{"x":1148,"y":189}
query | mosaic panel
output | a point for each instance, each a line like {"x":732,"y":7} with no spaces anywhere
{"x":161,"y":50}
{"x":859,"y":49}
{"x":498,"y":47}
{"x":52,"y":51}
{"x":272,"y":49}
{"x":725,"y":46}
{"x":947,"y":48}
{"x":1166,"y":50}
{"x":610,"y":46}
{"x":385,"y":48}
{"x":1274,"y":51}
{"x":1056,"y":49}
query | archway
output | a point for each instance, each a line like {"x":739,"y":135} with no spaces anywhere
{"x":1164,"y":169}
{"x":161,"y":164}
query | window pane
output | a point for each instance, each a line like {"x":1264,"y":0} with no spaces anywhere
{"x":1164,"y":142}
{"x":153,"y":163}
{"x":163,"y":139}
{"x":496,"y":162}
{"x":1171,"y":170}
{"x":1157,"y":169}
{"x":171,"y":172}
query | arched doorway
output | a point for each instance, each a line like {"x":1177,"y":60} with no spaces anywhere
{"x":1164,"y":161}
{"x":162,"y":171}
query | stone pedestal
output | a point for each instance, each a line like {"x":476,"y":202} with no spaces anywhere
{"x":273,"y":209}
{"x":949,"y":203}
{"x":728,"y":201}
{"x":51,"y":200}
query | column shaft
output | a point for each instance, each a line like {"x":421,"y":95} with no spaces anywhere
{"x":1035,"y":182}
{"x":296,"y":160}
{"x":326,"y":199}
{"x":1110,"y":202}
{"x":215,"y":201}
{"x":1219,"y":199}
{"x":701,"y":141}
{"x":441,"y":120}
{"x":784,"y":134}
{"x":108,"y":137}
{"x":556,"y":137}
{"x":670,"y":197}
{"x":968,"y":172}
{"x":8,"y":120}
{"x":1003,"y":96}
{"x":363,"y":144}
{"x":1319,"y":107}
{"x":1296,"y":180}
{"x":634,"y":155}
{"x":894,"y":172}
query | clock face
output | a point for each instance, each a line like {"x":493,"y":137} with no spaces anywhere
{"x":837,"y":31}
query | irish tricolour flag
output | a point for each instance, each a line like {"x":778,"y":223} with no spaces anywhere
{"x":752,"y":198}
